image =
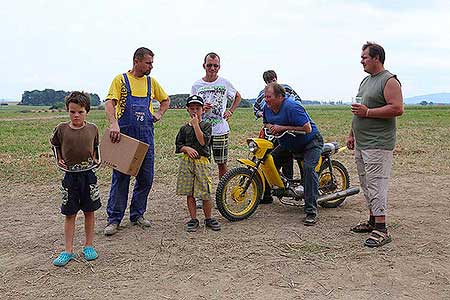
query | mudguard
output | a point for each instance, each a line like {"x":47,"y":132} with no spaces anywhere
{"x":252,"y":165}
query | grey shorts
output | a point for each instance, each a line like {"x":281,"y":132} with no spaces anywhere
{"x":374,"y":168}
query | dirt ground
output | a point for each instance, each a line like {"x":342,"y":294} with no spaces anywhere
{"x":269,"y":256}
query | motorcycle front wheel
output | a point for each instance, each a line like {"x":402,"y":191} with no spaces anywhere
{"x":238,"y":194}
{"x":332,"y":183}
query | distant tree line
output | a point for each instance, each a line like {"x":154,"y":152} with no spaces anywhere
{"x":50,"y":97}
{"x":179,"y":101}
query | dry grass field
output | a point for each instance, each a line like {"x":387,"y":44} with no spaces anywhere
{"x":269,"y":256}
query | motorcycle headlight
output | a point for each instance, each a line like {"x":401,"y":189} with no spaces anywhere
{"x":252,"y":146}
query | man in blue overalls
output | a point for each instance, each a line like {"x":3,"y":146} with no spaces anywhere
{"x":129,"y":111}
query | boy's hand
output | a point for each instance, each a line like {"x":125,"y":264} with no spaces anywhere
{"x":191,"y":152}
{"x":62,"y":163}
{"x":194,"y":120}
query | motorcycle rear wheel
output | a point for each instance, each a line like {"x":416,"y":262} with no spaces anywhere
{"x":328,"y":184}
{"x":233,"y":202}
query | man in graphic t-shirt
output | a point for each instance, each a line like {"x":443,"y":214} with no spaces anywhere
{"x":216,"y":91}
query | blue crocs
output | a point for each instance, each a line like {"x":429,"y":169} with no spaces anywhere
{"x":63,"y":258}
{"x":89,"y":253}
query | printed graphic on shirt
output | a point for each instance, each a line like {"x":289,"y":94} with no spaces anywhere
{"x":216,"y":95}
{"x":122,"y":100}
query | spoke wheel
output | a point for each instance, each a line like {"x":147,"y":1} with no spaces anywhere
{"x":234,"y":201}
{"x":332,"y":183}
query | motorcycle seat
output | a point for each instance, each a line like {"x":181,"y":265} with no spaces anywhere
{"x":328,"y":148}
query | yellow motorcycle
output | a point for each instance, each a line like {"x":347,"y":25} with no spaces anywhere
{"x":240,"y":190}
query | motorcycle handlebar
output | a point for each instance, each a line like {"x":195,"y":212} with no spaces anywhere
{"x":270,"y":136}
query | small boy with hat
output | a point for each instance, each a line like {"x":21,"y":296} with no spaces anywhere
{"x":193,"y":181}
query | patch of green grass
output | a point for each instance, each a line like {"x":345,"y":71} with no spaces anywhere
{"x":423,"y":141}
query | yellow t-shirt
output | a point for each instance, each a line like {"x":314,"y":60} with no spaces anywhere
{"x":118,"y":91}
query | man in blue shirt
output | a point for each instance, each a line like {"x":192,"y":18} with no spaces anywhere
{"x":283,"y":113}
{"x":283,"y":157}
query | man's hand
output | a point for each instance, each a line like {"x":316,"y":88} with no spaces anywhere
{"x":114,"y":132}
{"x":351,"y":142}
{"x":157,"y":116}
{"x":276,"y":129}
{"x":207,"y":106}
{"x":227,"y":114}
{"x":359,"y":110}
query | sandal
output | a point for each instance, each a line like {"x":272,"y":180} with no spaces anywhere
{"x":63,"y":258}
{"x":377,"y":239}
{"x":192,"y":225}
{"x":212,"y":223}
{"x":363,"y":227}
{"x":89,"y":253}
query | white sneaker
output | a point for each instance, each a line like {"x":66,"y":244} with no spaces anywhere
{"x":141,"y":221}
{"x":111,"y":229}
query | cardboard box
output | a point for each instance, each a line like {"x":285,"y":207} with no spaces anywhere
{"x":125,"y":156}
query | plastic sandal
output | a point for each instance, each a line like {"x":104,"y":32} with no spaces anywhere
{"x":63,"y":258}
{"x":89,"y":253}
{"x":192,"y":225}
{"x":377,"y":239}
{"x":213,"y":224}
{"x":363,"y":227}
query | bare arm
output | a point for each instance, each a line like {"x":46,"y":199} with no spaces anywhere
{"x":163,"y":107}
{"x":111,"y":117}
{"x":351,"y":140}
{"x":393,"y":107}
{"x":234,"y":105}
{"x":197,"y":130}
{"x":278,"y":129}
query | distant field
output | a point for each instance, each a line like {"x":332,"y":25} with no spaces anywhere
{"x":25,"y":154}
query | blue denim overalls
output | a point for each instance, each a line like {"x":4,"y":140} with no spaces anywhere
{"x":137,"y":122}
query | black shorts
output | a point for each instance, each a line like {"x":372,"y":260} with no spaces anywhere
{"x":79,"y":192}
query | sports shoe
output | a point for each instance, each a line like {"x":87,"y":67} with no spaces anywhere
{"x":141,"y":221}
{"x":192,"y":225}
{"x":310,"y":220}
{"x":212,"y":223}
{"x":111,"y":229}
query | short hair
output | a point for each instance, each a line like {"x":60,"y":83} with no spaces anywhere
{"x":212,"y":55}
{"x":141,"y":52}
{"x":278,"y":89}
{"x":375,"y":50}
{"x":269,"y":75}
{"x":81,"y":98}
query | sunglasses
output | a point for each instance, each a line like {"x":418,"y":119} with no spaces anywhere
{"x":212,"y":65}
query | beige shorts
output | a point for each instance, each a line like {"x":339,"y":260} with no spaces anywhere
{"x":374,"y":168}
{"x":193,"y":177}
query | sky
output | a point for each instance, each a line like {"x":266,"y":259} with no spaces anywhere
{"x":313,"y":45}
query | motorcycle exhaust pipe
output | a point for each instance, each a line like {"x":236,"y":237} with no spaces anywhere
{"x":337,"y":195}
